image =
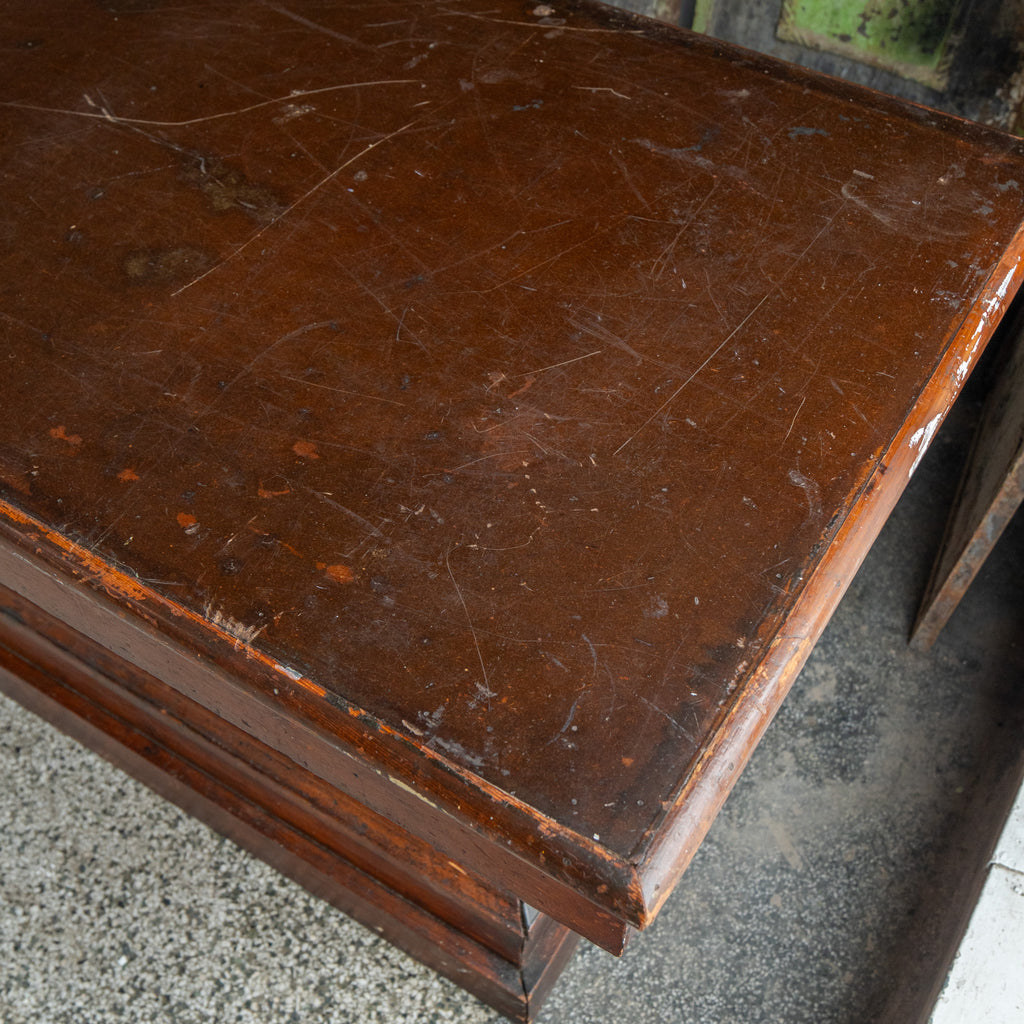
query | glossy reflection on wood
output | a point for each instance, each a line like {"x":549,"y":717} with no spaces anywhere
{"x":478,"y":408}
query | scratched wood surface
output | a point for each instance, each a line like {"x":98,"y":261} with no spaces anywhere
{"x":506,"y":390}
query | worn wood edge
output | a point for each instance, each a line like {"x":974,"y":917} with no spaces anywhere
{"x":406,"y":925}
{"x":141,"y":705}
{"x":666,"y":850}
{"x":83,"y":708}
{"x":566,"y":875}
{"x":992,"y":482}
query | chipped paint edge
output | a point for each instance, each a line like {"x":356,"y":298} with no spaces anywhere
{"x":921,"y":439}
{"x":665,"y":851}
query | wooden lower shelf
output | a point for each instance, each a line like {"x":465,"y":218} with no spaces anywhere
{"x":460,"y":925}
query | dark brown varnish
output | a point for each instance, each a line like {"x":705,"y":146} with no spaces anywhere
{"x":434,"y":436}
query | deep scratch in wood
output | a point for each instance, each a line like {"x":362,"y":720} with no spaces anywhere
{"x":472,"y":628}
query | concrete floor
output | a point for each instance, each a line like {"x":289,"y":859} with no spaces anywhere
{"x":819,"y":896}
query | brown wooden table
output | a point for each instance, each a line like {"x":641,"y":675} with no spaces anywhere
{"x":435,"y":434}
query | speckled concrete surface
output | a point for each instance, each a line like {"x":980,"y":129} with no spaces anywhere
{"x":807,"y":902}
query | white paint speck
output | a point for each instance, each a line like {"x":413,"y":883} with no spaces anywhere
{"x":922,"y":438}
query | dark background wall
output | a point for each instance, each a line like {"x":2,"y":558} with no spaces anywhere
{"x":986,"y":53}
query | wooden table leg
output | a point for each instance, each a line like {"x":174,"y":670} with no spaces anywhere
{"x":990,"y":492}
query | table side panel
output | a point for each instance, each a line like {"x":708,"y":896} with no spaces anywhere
{"x":491,"y":956}
{"x":361,"y":764}
{"x":139,"y":712}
